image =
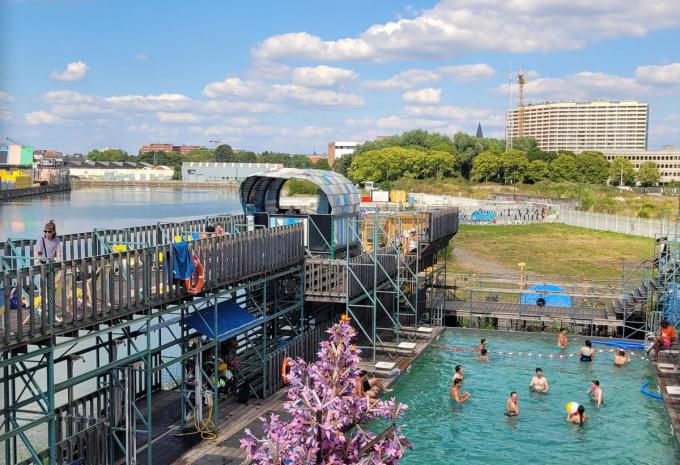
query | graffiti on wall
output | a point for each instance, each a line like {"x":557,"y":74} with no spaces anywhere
{"x":515,"y":214}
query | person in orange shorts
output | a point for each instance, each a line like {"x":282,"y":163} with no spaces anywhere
{"x":665,"y":338}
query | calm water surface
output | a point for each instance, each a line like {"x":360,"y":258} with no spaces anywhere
{"x":630,"y":428}
{"x":86,"y":208}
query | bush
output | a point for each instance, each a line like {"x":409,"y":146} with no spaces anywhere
{"x":300,"y":187}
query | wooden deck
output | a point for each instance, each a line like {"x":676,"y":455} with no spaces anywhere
{"x":665,"y":379}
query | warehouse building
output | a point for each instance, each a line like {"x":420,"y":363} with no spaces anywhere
{"x":198,"y":171}
{"x":116,"y":170}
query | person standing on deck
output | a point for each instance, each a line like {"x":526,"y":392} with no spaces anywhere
{"x":48,"y":246}
{"x":562,"y":340}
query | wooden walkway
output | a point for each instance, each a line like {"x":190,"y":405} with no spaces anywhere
{"x":667,"y":372}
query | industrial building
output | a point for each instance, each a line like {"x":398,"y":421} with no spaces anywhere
{"x":16,"y":155}
{"x":167,"y":148}
{"x":667,"y":159}
{"x":200,"y":171}
{"x":578,"y":126}
{"x":116,"y":170}
{"x":338,"y":150}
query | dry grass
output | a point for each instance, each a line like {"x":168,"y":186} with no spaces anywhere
{"x":550,"y":249}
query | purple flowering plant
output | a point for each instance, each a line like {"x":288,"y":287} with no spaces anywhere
{"x":328,"y":415}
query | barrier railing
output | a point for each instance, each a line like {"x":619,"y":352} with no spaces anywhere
{"x":95,"y":289}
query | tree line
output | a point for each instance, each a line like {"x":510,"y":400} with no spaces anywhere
{"x":222,"y":153}
{"x":419,"y":154}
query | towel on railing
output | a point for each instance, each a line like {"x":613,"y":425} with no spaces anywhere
{"x":182,"y":264}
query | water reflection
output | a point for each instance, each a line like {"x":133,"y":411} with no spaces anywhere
{"x":86,"y":208}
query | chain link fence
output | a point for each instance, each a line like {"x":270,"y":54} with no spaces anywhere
{"x":614,"y":223}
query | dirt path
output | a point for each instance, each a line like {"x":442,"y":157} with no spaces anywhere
{"x":464,"y":260}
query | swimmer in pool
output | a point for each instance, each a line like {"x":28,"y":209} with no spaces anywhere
{"x":512,"y":405}
{"x":539,"y":383}
{"x":587,"y":352}
{"x":483,"y":357}
{"x":621,"y":357}
{"x":456,"y":394}
{"x":596,"y":393}
{"x":579,"y":417}
{"x":459,"y":374}
{"x":481,"y":346}
{"x":562,"y":340}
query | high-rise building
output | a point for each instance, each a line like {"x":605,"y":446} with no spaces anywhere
{"x":579,"y":126}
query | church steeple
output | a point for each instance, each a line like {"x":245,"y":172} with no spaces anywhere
{"x":479,"y":134}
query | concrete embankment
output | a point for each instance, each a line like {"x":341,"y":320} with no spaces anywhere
{"x":9,"y":194}
{"x":172,"y":184}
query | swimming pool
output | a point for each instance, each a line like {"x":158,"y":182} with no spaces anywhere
{"x":629,"y":429}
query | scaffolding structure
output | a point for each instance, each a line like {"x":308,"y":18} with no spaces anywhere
{"x":666,"y":266}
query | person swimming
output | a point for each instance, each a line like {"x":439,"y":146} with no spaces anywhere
{"x":481,"y":346}
{"x":539,"y":383}
{"x":596,"y":393}
{"x":456,"y":394}
{"x":512,"y":405}
{"x":579,"y":416}
{"x":483,"y":357}
{"x":459,"y":374}
{"x":621,"y":357}
{"x":562,"y":340}
{"x":587,"y":352}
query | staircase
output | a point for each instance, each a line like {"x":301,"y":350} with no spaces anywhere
{"x":632,"y":301}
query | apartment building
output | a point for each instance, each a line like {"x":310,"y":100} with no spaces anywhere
{"x":167,"y":148}
{"x":338,"y":150}
{"x":578,"y":126}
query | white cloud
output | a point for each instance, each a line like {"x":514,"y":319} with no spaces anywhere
{"x":453,"y":27}
{"x":407,"y":79}
{"x":183,"y":118}
{"x":468,"y":73}
{"x":233,"y":106}
{"x":428,"y":95}
{"x":42,"y":118}
{"x":6,"y":115}
{"x":5,"y":97}
{"x":662,"y":74}
{"x":322,"y":76}
{"x":141,"y":56}
{"x":160,"y":102}
{"x":580,"y":86}
{"x":74,"y":72}
{"x":266,"y":70}
{"x":236,"y":87}
{"x":449,"y":112}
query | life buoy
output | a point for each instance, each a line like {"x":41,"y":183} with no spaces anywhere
{"x":285,"y":370}
{"x":194,"y":284}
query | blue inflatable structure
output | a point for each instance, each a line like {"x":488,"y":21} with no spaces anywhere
{"x":546,"y":295}
{"x":626,"y":345}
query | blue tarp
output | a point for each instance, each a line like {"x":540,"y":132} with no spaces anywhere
{"x":232,"y":319}
{"x":550,"y":300}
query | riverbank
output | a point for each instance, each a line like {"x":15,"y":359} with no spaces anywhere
{"x":172,"y":184}
{"x":9,"y":194}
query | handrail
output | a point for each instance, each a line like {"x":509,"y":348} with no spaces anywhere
{"x":102,"y":287}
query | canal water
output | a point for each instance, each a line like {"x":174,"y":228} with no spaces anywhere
{"x":89,"y":207}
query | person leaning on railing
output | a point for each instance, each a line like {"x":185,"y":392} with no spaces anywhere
{"x":47,"y":248}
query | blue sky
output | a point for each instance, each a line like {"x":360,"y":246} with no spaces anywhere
{"x":292,"y":76}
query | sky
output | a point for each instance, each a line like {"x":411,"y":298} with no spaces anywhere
{"x":293,"y":75}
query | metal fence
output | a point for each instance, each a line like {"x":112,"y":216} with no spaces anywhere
{"x":614,"y":223}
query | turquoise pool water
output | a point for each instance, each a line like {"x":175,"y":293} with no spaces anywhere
{"x":629,"y":429}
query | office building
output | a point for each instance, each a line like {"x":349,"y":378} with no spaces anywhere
{"x":337,"y":150}
{"x":667,"y":159}
{"x":578,"y":126}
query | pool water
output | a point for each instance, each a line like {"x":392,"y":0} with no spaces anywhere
{"x":630,"y":428}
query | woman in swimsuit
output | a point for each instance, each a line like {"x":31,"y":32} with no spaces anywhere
{"x":587,"y":352}
{"x":579,"y":416}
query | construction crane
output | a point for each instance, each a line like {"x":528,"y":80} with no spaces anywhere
{"x":521,"y":80}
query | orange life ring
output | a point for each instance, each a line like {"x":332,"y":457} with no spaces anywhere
{"x":285,"y":370}
{"x":194,"y":284}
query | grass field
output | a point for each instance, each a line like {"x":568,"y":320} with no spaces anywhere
{"x":550,"y":249}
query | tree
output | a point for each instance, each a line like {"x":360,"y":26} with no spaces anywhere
{"x":621,"y":167}
{"x":529,"y":146}
{"x":326,"y":428}
{"x":487,"y":166}
{"x":514,"y":166}
{"x":322,"y":164}
{"x":343,"y":164}
{"x":392,"y":163}
{"x":108,"y":155}
{"x":538,"y":170}
{"x":563,"y":168}
{"x":223,"y":153}
{"x":244,"y":157}
{"x":300,"y":161}
{"x":648,"y":174}
{"x":592,"y":168}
